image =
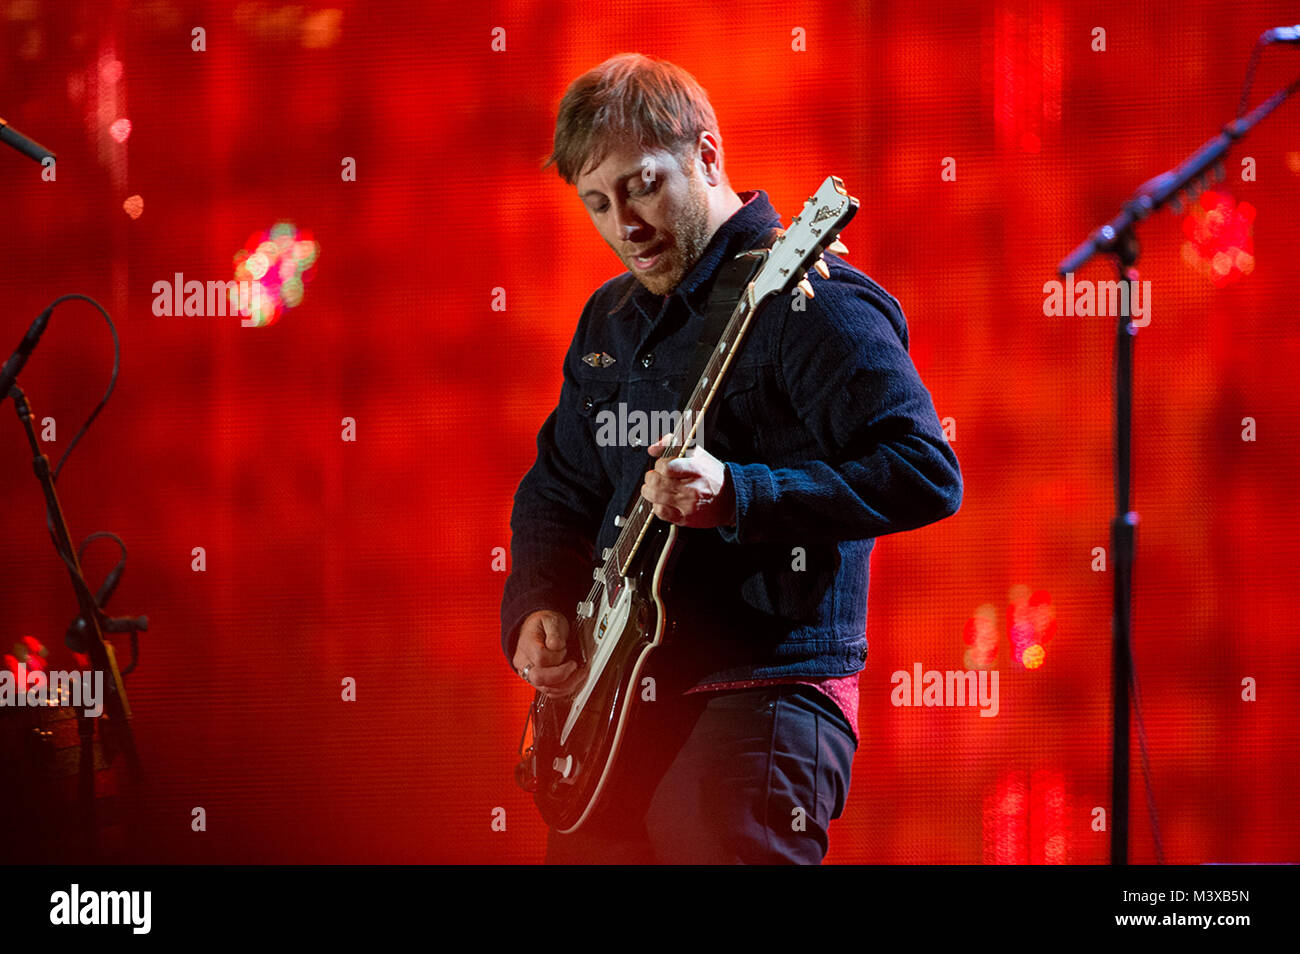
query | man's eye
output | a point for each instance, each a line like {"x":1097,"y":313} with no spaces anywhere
{"x":650,"y":186}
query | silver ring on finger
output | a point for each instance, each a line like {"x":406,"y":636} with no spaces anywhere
{"x":524,"y":673}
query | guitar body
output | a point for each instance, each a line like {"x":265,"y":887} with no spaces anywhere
{"x":576,"y":739}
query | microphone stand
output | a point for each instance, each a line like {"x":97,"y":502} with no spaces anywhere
{"x":92,"y":623}
{"x":1118,"y":237}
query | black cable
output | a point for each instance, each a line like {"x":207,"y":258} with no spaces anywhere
{"x":95,"y":536}
{"x":1152,"y":814}
{"x":112,"y":381}
{"x":1250,"y":77}
{"x":49,"y":522}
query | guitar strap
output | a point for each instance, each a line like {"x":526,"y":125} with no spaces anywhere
{"x":733,"y":278}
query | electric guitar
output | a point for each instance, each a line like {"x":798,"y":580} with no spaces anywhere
{"x":576,"y":739}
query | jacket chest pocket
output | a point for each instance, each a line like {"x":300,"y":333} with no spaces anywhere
{"x":736,"y":415}
{"x":763,"y":419}
{"x":598,"y":409}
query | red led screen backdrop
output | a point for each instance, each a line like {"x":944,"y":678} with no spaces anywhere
{"x":314,"y":494}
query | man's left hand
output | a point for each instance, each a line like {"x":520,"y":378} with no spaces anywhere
{"x":690,"y":491}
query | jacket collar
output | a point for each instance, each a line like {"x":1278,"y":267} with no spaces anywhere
{"x":740,"y":232}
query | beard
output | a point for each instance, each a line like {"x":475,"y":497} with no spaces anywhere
{"x":690,"y":238}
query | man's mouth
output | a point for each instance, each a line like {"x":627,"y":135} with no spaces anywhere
{"x":650,"y":259}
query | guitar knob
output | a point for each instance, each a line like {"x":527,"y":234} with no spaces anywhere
{"x":618,"y":520}
{"x":563,"y":766}
{"x":604,"y":554}
{"x":586,"y":609}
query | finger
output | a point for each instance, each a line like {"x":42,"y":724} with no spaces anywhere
{"x":552,"y":677}
{"x":541,"y":656}
{"x":533,"y":653}
{"x":557,"y":632}
{"x":568,"y":687}
{"x":667,"y":495}
{"x":681,"y":468}
{"x":669,"y":513}
{"x":656,"y":493}
{"x":532,"y":646}
{"x":659,"y":446}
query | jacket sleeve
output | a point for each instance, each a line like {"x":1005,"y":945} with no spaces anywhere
{"x":885,"y":465}
{"x":557,"y":512}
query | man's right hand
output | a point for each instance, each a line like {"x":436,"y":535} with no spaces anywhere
{"x":540,"y":651}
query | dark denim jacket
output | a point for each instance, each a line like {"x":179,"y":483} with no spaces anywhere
{"x":829,"y":439}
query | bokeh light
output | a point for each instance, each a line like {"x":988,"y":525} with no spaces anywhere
{"x":981,"y":635}
{"x":281,"y":261}
{"x":1219,"y":238}
{"x":1031,"y":624}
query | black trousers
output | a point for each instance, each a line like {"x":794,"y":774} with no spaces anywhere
{"x":748,"y":776}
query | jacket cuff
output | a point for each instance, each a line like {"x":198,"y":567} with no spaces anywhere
{"x":755,"y":491}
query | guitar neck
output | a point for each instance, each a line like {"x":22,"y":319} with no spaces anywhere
{"x":636,"y":521}
{"x":780,"y":268}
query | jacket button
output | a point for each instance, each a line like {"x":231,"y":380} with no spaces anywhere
{"x":647,"y":359}
{"x":588,"y":403}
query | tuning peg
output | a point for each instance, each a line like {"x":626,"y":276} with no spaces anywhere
{"x":805,"y":286}
{"x":822,"y":268}
{"x":838,"y":247}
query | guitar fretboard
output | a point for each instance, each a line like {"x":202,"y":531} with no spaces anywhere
{"x":637,"y":520}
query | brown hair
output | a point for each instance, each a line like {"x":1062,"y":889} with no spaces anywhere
{"x":633,"y":98}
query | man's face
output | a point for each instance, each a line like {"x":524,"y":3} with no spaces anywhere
{"x":651,"y":213}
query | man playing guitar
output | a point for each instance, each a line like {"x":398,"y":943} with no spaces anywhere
{"x":822,"y":438}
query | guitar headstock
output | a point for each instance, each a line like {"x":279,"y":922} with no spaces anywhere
{"x":814,"y":230}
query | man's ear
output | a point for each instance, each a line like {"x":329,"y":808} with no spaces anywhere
{"x":709,"y":150}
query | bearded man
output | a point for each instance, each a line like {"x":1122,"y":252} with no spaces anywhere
{"x":821,"y":439}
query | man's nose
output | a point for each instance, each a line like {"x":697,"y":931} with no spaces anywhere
{"x":628,"y":224}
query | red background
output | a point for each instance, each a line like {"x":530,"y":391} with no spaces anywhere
{"x":373,"y":559}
